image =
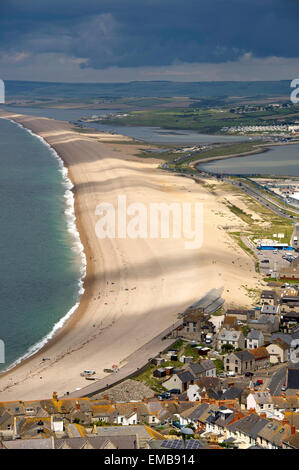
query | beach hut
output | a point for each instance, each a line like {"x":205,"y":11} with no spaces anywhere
{"x":169,"y":370}
{"x":159,"y":373}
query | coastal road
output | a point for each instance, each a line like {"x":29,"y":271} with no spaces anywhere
{"x":136,"y":361}
{"x":277,"y":381}
{"x":256,"y":194}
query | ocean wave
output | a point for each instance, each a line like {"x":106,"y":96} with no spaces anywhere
{"x":77,"y":246}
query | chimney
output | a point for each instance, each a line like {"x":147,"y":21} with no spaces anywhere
{"x":238,"y":415}
{"x":263,"y":415}
{"x":293,"y":430}
{"x":145,"y":400}
{"x":106,"y":397}
{"x":284,"y":421}
{"x":283,"y":394}
{"x":77,"y":405}
{"x":55,"y":396}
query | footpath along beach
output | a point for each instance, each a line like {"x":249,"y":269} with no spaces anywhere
{"x":134,"y":288}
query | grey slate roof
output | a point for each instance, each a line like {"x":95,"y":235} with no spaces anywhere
{"x":244,"y":355}
{"x":196,"y":414}
{"x":232,"y":393}
{"x":29,"y":444}
{"x":254,"y":334}
{"x":229,"y":335}
{"x":293,"y":378}
{"x":246,"y":424}
{"x":185,"y":376}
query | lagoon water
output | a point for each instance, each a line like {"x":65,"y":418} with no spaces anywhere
{"x":41,"y":265}
{"x":148,"y":134}
{"x":282,"y":160}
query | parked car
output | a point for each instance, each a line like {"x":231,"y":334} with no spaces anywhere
{"x":164,"y":396}
{"x":223,"y":375}
{"x":87,"y":373}
{"x":175,"y":391}
{"x":231,"y":373}
{"x":249,"y":374}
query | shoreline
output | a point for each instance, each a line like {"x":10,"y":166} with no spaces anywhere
{"x":71,"y":222}
{"x":126,"y":302}
{"x":264,"y":148}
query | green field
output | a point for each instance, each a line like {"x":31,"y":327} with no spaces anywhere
{"x":204,"y":120}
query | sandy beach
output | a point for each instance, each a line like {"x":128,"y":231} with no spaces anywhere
{"x":134,"y":288}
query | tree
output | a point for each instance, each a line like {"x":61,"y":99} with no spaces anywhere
{"x":227,"y":347}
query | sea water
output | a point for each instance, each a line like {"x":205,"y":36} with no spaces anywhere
{"x":42,"y":263}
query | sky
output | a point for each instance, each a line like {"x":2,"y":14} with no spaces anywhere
{"x":126,"y":40}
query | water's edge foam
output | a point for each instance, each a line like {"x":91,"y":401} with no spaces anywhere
{"x":77,"y":246}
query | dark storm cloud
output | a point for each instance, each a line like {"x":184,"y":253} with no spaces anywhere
{"x":130,"y":33}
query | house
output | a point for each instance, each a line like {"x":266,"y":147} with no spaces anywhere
{"x":273,"y":435}
{"x":193,"y":393}
{"x":6,"y":424}
{"x":289,"y":320}
{"x":290,"y":300}
{"x":209,"y":368}
{"x":244,"y":431}
{"x":230,"y":322}
{"x":270,"y":309}
{"x":261,"y":356}
{"x":292,"y":441}
{"x":287,"y":404}
{"x":193,"y":324}
{"x":268,"y":297}
{"x":279,"y":352}
{"x":239,"y":362}
{"x":254,"y":339}
{"x":233,"y":337}
{"x":266,"y":323}
{"x":126,"y":414}
{"x":205,"y":368}
{"x":261,"y":402}
{"x":242,"y":315}
{"x":181,"y":380}
{"x":286,"y":290}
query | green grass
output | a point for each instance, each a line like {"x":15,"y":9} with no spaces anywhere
{"x":209,"y":120}
{"x":219,"y":365}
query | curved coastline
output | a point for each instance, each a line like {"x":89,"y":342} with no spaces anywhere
{"x":77,"y":245}
{"x":133,"y":309}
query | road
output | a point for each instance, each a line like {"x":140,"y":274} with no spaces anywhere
{"x":256,"y":194}
{"x":277,"y":381}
